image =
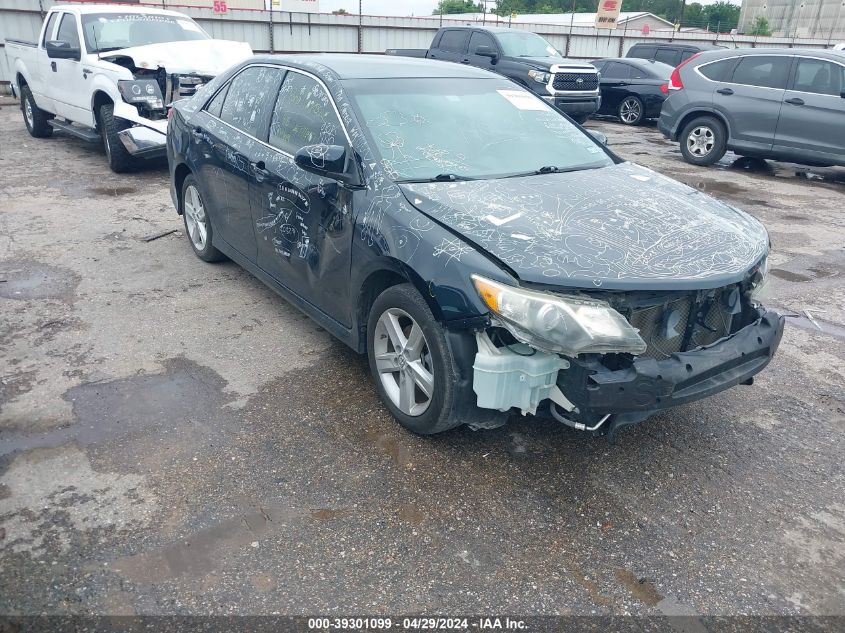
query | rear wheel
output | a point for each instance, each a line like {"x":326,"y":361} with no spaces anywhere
{"x":197,"y":223}
{"x":120,"y":160}
{"x":704,"y":141}
{"x":631,"y":111}
{"x":411,"y":362}
{"x":36,"y":120}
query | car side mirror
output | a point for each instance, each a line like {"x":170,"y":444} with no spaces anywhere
{"x":329,"y":161}
{"x":57,"y":49}
{"x":842,"y":94}
{"x":601,"y":137}
{"x":486,"y":51}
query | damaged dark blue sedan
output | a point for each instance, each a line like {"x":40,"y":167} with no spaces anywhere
{"x":487,"y":254}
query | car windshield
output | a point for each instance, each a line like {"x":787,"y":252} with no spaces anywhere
{"x":454,"y":128}
{"x":112,"y":31}
{"x":525,"y":44}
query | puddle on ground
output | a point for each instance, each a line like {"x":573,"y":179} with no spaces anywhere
{"x":751,"y":165}
{"x":642,"y":588}
{"x":112,"y":191}
{"x":184,"y":392}
{"x":788,"y":275}
{"x":713,"y":186}
{"x":24,"y":280}
{"x":328,"y":514}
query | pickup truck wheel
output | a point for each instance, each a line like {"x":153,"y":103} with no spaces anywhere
{"x":703,"y":141}
{"x":36,"y":120}
{"x":120,"y":160}
{"x":411,"y":362}
{"x":197,"y":223}
{"x":580,"y":119}
{"x":631,"y":111}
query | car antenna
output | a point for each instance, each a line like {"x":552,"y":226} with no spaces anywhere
{"x":94,"y":35}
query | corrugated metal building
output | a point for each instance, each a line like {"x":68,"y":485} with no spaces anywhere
{"x":819,"y":19}
{"x":628,"y":20}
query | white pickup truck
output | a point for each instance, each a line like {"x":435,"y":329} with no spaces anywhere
{"x":106,"y":73}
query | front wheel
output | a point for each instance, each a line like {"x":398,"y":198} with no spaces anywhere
{"x":580,"y":119}
{"x":631,"y":111}
{"x":120,"y":160}
{"x":411,"y":362}
{"x":36,"y":120}
{"x":704,"y":141}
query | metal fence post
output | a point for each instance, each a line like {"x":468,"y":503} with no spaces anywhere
{"x":272,"y":30}
{"x":360,"y":26}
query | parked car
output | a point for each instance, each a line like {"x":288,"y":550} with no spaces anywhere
{"x":783,"y":104}
{"x":527,"y":58}
{"x":671,"y":53}
{"x":487,"y":254}
{"x":105,"y":73}
{"x":632,"y":89}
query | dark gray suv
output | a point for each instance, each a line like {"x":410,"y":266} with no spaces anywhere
{"x":783,"y":104}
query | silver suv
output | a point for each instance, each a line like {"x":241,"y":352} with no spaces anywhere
{"x":783,"y":104}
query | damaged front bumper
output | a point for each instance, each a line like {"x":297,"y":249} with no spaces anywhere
{"x":145,"y":138}
{"x":587,"y":391}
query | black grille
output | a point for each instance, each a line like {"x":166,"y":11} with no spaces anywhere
{"x":575,"y":81}
{"x":665,"y":327}
{"x":187,"y":85}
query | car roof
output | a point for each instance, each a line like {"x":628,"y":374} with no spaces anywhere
{"x":358,"y":66}
{"x":703,"y":46}
{"x":747,"y":52}
{"x":84,"y":9}
{"x":491,"y":29}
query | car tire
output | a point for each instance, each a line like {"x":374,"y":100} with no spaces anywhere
{"x":631,"y":110}
{"x":704,"y":141}
{"x":120,"y":160}
{"x":580,"y":119}
{"x":197,"y":222}
{"x":407,"y":350}
{"x":36,"y":120}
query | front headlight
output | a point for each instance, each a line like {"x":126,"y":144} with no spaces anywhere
{"x":539,"y":76}
{"x":759,"y":279}
{"x":564,"y":325}
{"x":141,"y":91}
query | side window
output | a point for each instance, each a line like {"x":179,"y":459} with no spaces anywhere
{"x":668,"y":56}
{"x":249,"y":99}
{"x":643,"y":52}
{"x":480,"y":39}
{"x":639,"y":73}
{"x":454,"y":41}
{"x":762,"y":70}
{"x":615,"y":70}
{"x":685,"y":55}
{"x":303,"y":116}
{"x":819,"y":77}
{"x":48,"y":32}
{"x":717,"y":71}
{"x":67,"y":30}
{"x":216,"y":104}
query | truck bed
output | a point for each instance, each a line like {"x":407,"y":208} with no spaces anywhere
{"x":12,"y":40}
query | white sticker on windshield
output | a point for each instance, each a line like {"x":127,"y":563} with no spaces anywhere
{"x":551,"y":51}
{"x":524,"y":100}
{"x":188,"y":25}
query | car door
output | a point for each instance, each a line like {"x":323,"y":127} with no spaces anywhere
{"x":68,"y":84}
{"x":812,"y":120}
{"x":614,"y":85}
{"x":452,"y":46}
{"x":42,"y":75}
{"x":227,"y":148}
{"x":480,"y":38}
{"x":304,"y":222}
{"x":751,"y":99}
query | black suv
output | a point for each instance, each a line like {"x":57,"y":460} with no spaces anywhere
{"x":668,"y":53}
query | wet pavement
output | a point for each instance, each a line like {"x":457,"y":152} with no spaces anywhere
{"x":175,"y":439}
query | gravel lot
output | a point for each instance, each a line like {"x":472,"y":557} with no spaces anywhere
{"x":176,"y":439}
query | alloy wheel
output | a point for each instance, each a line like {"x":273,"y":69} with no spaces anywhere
{"x":404,"y":362}
{"x":701,"y":141}
{"x":195,"y":218}
{"x":630,"y":111}
{"x":28,"y":114}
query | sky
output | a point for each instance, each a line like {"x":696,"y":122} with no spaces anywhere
{"x":408,"y":7}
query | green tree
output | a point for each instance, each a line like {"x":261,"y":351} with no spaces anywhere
{"x":760,"y":27}
{"x":340,"y":12}
{"x":445,"y":7}
{"x":722,"y":15}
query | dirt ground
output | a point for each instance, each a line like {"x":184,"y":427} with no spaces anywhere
{"x":176,"y":439}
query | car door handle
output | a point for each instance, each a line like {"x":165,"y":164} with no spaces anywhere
{"x":725,"y":91}
{"x":259,"y":170}
{"x":794,"y":101}
{"x":53,"y":66}
{"x":465,"y":61}
{"x":196,"y":133}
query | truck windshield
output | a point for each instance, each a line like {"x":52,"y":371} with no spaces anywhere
{"x":112,"y":31}
{"x":525,"y":44}
{"x":457,"y":128}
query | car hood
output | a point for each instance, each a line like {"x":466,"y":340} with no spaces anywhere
{"x":545,"y":63}
{"x":200,"y":57}
{"x":619,"y":227}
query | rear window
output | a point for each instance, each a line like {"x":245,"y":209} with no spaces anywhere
{"x":615,"y":70}
{"x":716,"y":71}
{"x":762,"y":70}
{"x":643,"y":52}
{"x":454,"y":40}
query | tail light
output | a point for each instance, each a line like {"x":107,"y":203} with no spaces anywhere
{"x":664,"y":88}
{"x":675,"y":82}
{"x":169,"y":113}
